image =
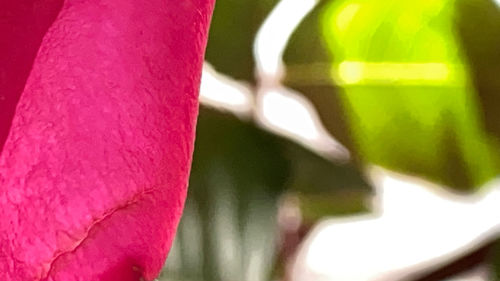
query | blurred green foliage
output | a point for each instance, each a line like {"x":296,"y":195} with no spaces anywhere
{"x":308,"y":63}
{"x":478,"y":31}
{"x":232,"y":32}
{"x":409,"y":85}
{"x":229,"y":228}
{"x":401,"y":92}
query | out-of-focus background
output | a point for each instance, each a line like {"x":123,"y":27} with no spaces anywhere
{"x":346,"y":140}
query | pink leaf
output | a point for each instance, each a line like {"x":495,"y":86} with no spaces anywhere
{"x":94,"y":171}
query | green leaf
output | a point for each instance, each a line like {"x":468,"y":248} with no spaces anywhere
{"x":401,"y":92}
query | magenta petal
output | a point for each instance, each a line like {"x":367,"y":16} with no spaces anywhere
{"x":93,"y":174}
{"x":22,"y":26}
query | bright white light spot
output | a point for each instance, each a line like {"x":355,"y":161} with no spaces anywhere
{"x":351,"y":73}
{"x":418,"y":226}
{"x":287,"y":113}
{"x":291,"y":116}
{"x":222,"y":92}
{"x":273,"y":35}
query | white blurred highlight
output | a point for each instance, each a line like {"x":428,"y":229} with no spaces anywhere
{"x":277,"y":108}
{"x":293,"y":116}
{"x":224,"y":93}
{"x":273,"y":35}
{"x":287,"y":113}
{"x":280,"y":109}
{"x":417,"y":226}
